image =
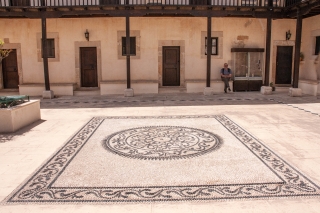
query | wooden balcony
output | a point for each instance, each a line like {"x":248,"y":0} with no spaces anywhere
{"x":120,"y":8}
{"x":68,"y":3}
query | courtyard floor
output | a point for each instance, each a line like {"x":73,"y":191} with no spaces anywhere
{"x":235,"y":152}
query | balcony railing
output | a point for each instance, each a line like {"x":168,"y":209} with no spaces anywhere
{"x":67,"y":3}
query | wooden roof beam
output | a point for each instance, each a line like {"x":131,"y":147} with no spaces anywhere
{"x":303,"y":10}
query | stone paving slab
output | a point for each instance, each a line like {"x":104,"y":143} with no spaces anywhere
{"x":290,"y":131}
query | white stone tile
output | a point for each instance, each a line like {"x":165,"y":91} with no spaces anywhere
{"x":291,"y":133}
{"x":254,"y":206}
{"x":172,"y":208}
{"x":293,"y":205}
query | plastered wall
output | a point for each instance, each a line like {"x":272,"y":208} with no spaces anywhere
{"x":233,"y":32}
{"x":310,"y":68}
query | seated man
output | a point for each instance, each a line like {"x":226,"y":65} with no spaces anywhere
{"x":225,"y":77}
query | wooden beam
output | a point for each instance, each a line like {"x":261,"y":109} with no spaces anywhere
{"x":297,"y":50}
{"x":304,"y":10}
{"x":209,"y":51}
{"x":268,"y":50}
{"x":147,"y":12}
{"x":44,"y":52}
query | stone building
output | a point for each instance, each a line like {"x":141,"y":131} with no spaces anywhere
{"x":87,"y":42}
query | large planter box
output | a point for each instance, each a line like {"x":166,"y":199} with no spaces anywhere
{"x":19,"y":116}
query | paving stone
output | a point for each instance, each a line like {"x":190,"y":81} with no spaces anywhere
{"x":288,"y":125}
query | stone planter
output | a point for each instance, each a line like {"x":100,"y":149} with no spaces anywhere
{"x":19,"y":116}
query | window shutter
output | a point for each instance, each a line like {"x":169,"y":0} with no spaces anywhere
{"x":50,"y":48}
{"x":214,"y":47}
{"x":317,"y":50}
{"x":132,"y":45}
{"x":124,"y":51}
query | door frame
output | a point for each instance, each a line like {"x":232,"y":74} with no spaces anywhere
{"x":287,"y":72}
{"x":17,"y":47}
{"x":13,"y":56}
{"x":79,"y":44}
{"x":178,"y":63}
{"x":83,"y":80}
{"x":274,"y":58}
{"x":181,"y":44}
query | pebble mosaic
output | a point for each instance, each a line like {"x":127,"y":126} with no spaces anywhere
{"x":162,"y":159}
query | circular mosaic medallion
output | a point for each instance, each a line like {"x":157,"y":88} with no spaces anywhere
{"x":161,"y":142}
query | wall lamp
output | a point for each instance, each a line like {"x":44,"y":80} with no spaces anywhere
{"x":86,"y":35}
{"x":288,"y":35}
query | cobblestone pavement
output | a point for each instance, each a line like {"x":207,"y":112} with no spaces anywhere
{"x":287,"y":125}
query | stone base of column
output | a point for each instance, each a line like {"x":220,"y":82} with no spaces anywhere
{"x":128,"y":92}
{"x":47,"y":94}
{"x":266,"y":90}
{"x":295,"y":92}
{"x":208,"y":91}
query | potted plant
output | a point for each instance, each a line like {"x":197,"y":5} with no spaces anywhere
{"x":273,"y":87}
{"x":3,"y":52}
{"x":301,"y":56}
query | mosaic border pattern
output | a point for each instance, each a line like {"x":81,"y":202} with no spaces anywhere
{"x":38,"y":189}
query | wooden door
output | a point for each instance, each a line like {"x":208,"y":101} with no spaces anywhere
{"x":89,"y":75}
{"x":10,"y":71}
{"x":284,"y":65}
{"x":171,"y":66}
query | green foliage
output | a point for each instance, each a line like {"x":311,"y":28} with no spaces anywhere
{"x":3,"y":52}
{"x":301,"y":56}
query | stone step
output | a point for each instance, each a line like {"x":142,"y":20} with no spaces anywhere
{"x":86,"y":92}
{"x":164,"y":90}
{"x":9,"y":92}
{"x":282,"y":89}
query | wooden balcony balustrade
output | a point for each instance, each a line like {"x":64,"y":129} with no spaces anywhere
{"x":276,"y":9}
{"x":68,"y":3}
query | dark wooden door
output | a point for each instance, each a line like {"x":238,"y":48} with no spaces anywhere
{"x":10,"y":71}
{"x":171,"y":66}
{"x":89,"y":76}
{"x":284,"y":65}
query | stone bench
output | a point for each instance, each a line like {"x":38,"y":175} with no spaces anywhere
{"x":310,"y":87}
{"x":37,"y":89}
{"x":138,"y":86}
{"x":197,"y":86}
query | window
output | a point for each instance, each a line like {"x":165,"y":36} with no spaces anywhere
{"x":53,"y":53}
{"x":132,"y":46}
{"x":214,"y":45}
{"x":317,"y":49}
{"x":50,"y":48}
